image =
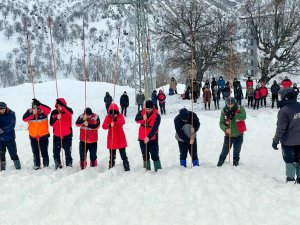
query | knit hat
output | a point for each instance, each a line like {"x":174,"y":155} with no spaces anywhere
{"x":88,"y":111}
{"x":149,"y":104}
{"x":230,"y":100}
{"x":184,"y":114}
{"x":288,"y":94}
{"x":3,"y":105}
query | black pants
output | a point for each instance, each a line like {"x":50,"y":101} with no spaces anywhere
{"x":195,"y":93}
{"x":237,"y":145}
{"x":239,"y":101}
{"x":205,"y":105}
{"x":162,"y":107}
{"x":152,"y":149}
{"x":291,"y":154}
{"x":274,"y":99}
{"x":12,"y":150}
{"x":263,"y":100}
{"x":216,"y":101}
{"x":184,"y":148}
{"x":84,"y":148}
{"x":250,"y":101}
{"x":124,"y":110}
{"x":112,"y":156}
{"x":36,"y":146}
{"x":66,"y":145}
{"x":140,"y":107}
{"x":256,"y":103}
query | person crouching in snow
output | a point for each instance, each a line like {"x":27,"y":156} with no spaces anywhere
{"x":149,"y":121}
{"x":37,"y":118}
{"x":89,"y":124}
{"x":232,"y":122}
{"x":186,"y":125}
{"x":61,"y":121}
{"x":116,"y":138}
{"x":287,"y":133}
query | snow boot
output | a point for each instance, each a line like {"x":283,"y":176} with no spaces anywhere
{"x":83,"y":164}
{"x":69,"y":164}
{"x":93,"y":163}
{"x":3,"y":165}
{"x":235,"y":163}
{"x":290,"y":179}
{"x":17,"y":164}
{"x":58,"y":165}
{"x":46,"y":162}
{"x":195,"y":162}
{"x":183,"y":162}
{"x":126,"y":165}
{"x":157,"y":165}
{"x":220,"y":163}
{"x":147,"y":165}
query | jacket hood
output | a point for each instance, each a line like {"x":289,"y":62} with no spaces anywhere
{"x":62,"y":100}
{"x":113,"y":107}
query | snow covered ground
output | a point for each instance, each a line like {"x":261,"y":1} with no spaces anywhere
{"x":255,"y":192}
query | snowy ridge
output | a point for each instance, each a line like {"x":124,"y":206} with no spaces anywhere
{"x":253,"y":193}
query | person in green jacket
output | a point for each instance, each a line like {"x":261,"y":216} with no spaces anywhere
{"x":232,"y":122}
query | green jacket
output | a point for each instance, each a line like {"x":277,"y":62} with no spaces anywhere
{"x":238,"y":117}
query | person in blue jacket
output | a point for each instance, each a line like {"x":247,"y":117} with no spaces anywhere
{"x":8,"y":136}
{"x":221,"y":85}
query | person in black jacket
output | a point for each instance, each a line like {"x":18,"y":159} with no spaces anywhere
{"x":124,"y":103}
{"x":186,"y":125}
{"x":275,"y":90}
{"x":8,"y":136}
{"x":108,"y":100}
{"x":288,"y":132}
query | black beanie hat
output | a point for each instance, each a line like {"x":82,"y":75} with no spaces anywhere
{"x":3,"y":105}
{"x":149,"y":104}
{"x":184,"y":114}
{"x":88,"y":111}
{"x":288,"y":94}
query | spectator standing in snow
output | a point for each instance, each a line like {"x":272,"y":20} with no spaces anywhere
{"x":124,"y":103}
{"x":154,"y":99}
{"x":8,"y":136}
{"x":275,"y":90}
{"x":149,"y":121}
{"x":89,"y":124}
{"x":239,"y":94}
{"x":140,"y":98}
{"x":161,"y":97}
{"x":173,"y":86}
{"x":232,"y":122}
{"x":221,"y":85}
{"x":256,"y":97}
{"x":37,"y":118}
{"x":196,"y":90}
{"x":207,"y":97}
{"x":215,"y":97}
{"x":287,"y":133}
{"x":214,"y":84}
{"x":249,"y":96}
{"x":116,"y":139}
{"x":263,"y":95}
{"x":107,"y":100}
{"x":249,"y":82}
{"x":186,"y":125}
{"x":61,"y":121}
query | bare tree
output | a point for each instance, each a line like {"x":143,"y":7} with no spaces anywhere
{"x":275,"y":25}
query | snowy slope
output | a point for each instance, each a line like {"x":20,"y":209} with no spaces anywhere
{"x":253,"y":193}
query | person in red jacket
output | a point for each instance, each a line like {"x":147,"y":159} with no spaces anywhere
{"x":37,"y":118}
{"x":257,"y":97}
{"x":116,"y":139}
{"x":249,"y":82}
{"x":162,"y":102}
{"x":263,"y":94}
{"x":286,"y":83}
{"x":61,"y":121}
{"x":149,"y":121}
{"x":89,"y":124}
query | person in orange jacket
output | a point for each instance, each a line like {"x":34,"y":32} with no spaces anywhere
{"x":37,"y":118}
{"x":89,"y":124}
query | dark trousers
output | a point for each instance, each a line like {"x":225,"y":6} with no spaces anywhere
{"x":42,"y":145}
{"x":112,"y":156}
{"x":12,"y":150}
{"x":140,"y":107}
{"x":205,"y":105}
{"x":195,"y":93}
{"x":239,"y":102}
{"x":152,"y":149}
{"x":185,"y":148}
{"x":216,"y":102}
{"x":291,"y":154}
{"x":250,"y":101}
{"x":274,"y":99}
{"x":263,"y":100}
{"x":66,"y":145}
{"x":107,"y":106}
{"x":124,"y":110}
{"x":162,"y":107}
{"x":256,"y":103}
{"x":237,"y":145}
{"x":84,"y":148}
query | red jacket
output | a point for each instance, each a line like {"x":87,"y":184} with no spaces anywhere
{"x":148,"y":128}
{"x":89,"y":133}
{"x":286,"y":83}
{"x":249,"y":83}
{"x":161,"y":97}
{"x":257,"y":94}
{"x":263,"y":91}
{"x":62,"y":127}
{"x":116,"y":138}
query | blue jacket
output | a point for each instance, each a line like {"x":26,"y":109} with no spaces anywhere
{"x":154,"y":98}
{"x":7,"y":125}
{"x":221,"y":84}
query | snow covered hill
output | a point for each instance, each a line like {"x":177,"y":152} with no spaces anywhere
{"x":255,"y":192}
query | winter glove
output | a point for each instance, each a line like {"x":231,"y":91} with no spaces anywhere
{"x":36,"y":102}
{"x":274,"y":144}
{"x":59,"y":102}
